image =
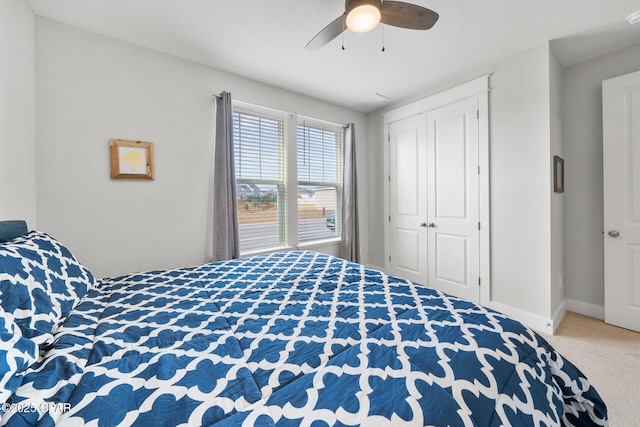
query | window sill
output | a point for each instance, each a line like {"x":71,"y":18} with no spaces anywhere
{"x":315,"y":243}
{"x":286,"y":248}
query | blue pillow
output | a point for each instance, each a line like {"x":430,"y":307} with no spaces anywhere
{"x":11,"y":229}
{"x":16,"y":354}
{"x":40,"y":283}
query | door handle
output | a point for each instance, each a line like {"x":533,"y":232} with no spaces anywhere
{"x":430,"y":225}
{"x":614,"y":233}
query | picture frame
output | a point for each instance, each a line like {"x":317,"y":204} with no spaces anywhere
{"x":131,"y":159}
{"x":558,"y":174}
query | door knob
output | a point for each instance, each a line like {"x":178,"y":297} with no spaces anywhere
{"x":423,"y":224}
{"x":431,"y":225}
{"x":614,"y":233}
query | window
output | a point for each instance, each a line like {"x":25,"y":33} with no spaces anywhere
{"x":288,"y":178}
{"x":260,"y":178}
{"x":319,"y":164}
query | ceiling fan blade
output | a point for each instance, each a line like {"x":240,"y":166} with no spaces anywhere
{"x":329,"y":33}
{"x":407,"y":15}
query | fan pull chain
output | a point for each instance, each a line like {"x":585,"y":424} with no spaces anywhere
{"x":383,"y":38}
{"x":342,"y":40}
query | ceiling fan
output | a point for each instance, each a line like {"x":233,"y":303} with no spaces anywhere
{"x":361,"y":16}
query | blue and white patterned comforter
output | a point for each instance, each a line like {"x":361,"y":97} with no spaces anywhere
{"x":295,"y":338}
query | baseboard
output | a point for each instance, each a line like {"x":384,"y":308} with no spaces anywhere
{"x":537,"y":322}
{"x":534,"y":321}
{"x":585,"y":308}
{"x":559,"y":314}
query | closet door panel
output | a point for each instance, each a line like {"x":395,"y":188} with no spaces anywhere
{"x":452,"y":198}
{"x":407,"y":199}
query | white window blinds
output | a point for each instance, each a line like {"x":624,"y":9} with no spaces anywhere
{"x":259,"y":139}
{"x":319,"y":161}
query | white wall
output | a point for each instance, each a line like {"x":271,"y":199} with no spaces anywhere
{"x":17,"y":113}
{"x":584,"y":210}
{"x":520,"y":182}
{"x":376,"y":190}
{"x":91,"y":88}
{"x":521,"y":186}
{"x":558,"y":305}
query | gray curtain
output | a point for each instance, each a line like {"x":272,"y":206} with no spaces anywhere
{"x":226,"y":243}
{"x":350,"y":245}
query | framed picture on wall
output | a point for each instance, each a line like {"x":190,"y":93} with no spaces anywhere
{"x":558,"y":174}
{"x":131,"y":159}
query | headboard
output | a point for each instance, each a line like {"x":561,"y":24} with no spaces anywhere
{"x":12,"y":229}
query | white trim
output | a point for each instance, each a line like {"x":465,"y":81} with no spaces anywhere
{"x":534,"y":321}
{"x":324,"y":242}
{"x":319,"y":121}
{"x":253,"y":108}
{"x":440,"y":99}
{"x":585,"y":308}
{"x":291,"y":178}
{"x":484,"y":191}
{"x":478,"y":88}
{"x":249,"y":107}
{"x":386,"y":195}
{"x":559,"y":314}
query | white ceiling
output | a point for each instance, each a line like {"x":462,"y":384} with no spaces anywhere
{"x":265,"y":40}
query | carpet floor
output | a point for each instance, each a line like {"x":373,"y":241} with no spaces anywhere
{"x":610,"y":358}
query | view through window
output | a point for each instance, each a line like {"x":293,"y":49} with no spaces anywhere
{"x":262,"y":152}
{"x":319,"y":167}
{"x":260,"y":179}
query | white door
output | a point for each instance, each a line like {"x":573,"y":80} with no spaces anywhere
{"x":621,"y":168}
{"x":452,"y":192}
{"x":407,"y":199}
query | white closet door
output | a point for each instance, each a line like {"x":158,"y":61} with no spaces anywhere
{"x":408,"y":202}
{"x":452,"y":191}
{"x":621,"y":167}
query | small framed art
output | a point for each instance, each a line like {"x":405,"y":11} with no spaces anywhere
{"x":131,"y":159}
{"x":558,"y":174}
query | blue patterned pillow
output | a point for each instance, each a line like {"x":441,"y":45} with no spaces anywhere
{"x":40,"y":283}
{"x":16,"y":354}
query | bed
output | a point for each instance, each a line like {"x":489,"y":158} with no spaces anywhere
{"x":296,"y":338}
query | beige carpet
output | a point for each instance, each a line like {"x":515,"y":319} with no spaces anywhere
{"x":610,"y":357}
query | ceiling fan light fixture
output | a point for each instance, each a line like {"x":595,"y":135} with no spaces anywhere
{"x":634,"y":18}
{"x":363,"y":16}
